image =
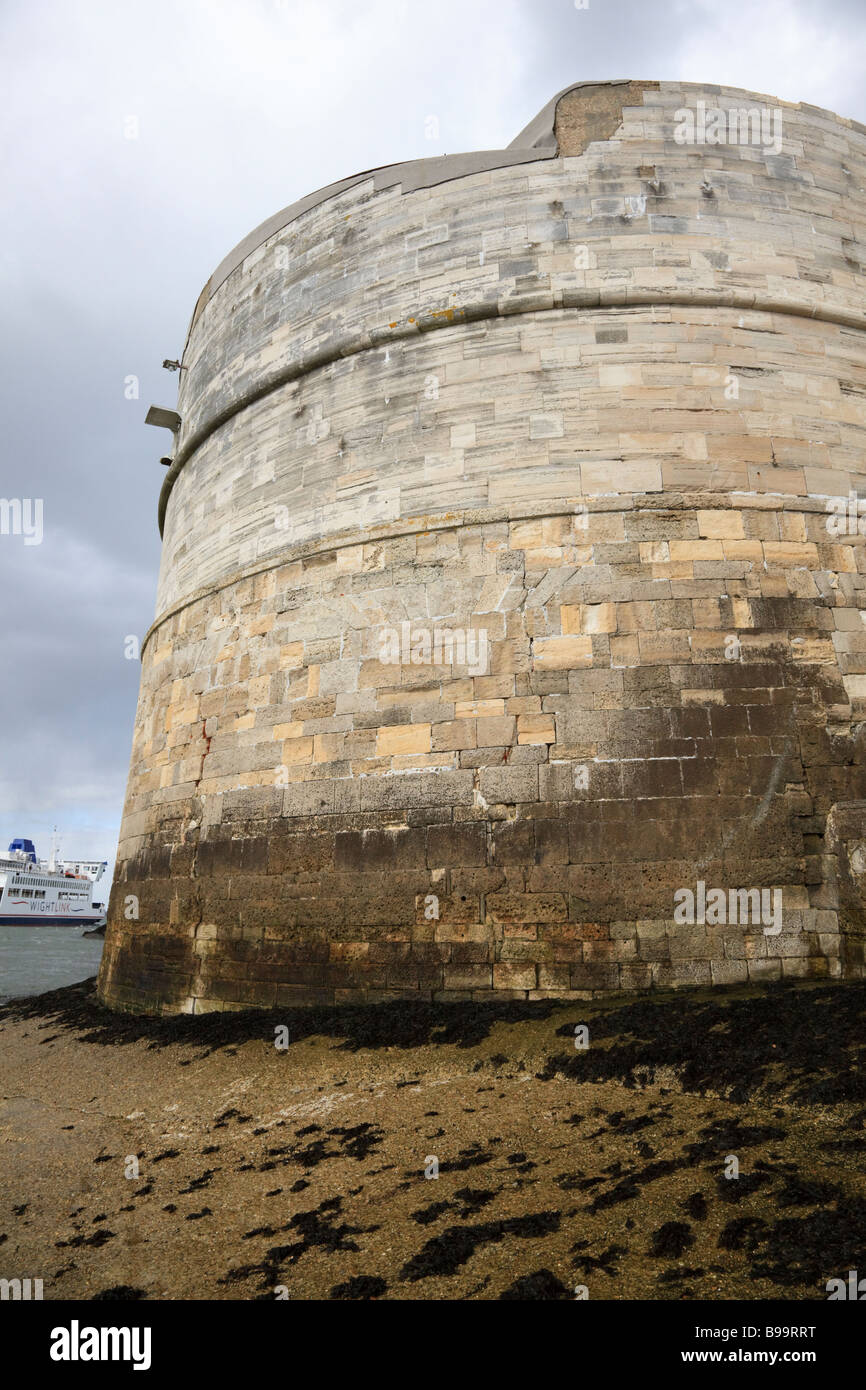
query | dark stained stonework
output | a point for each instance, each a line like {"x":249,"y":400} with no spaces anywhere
{"x":557,"y":892}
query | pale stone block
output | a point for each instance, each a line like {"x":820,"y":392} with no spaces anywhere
{"x":524,"y":704}
{"x":259,"y":691}
{"x":721,"y":525}
{"x":817,"y":650}
{"x":406,"y":761}
{"x":635,"y":616}
{"x":849,"y":619}
{"x":536,"y":728}
{"x":601,"y":478}
{"x":546,"y":557}
{"x":843,"y":558}
{"x":696,"y":550}
{"x":743,"y":550}
{"x":350,"y":559}
{"x":619,"y":375}
{"x":328,"y":748}
{"x":549,"y":426}
{"x":292,"y":655}
{"x":496,"y":732}
{"x":651,"y":443}
{"x":588,"y":617}
{"x":694,"y":446}
{"x":562,"y":653}
{"x":664,"y":647}
{"x":792,"y":526}
{"x":791,"y":553}
{"x":527,"y":535}
{"x":181,"y":714}
{"x":624,"y":651}
{"x":654,"y":552}
{"x":297,"y":750}
{"x":706,"y":612}
{"x":454,"y":734}
{"x":403,"y":738}
{"x":478,"y":709}
{"x":463,"y":435}
{"x":708,"y":644}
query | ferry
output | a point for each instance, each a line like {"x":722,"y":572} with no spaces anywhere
{"x":58,"y":893}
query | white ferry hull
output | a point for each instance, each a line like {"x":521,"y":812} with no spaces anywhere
{"x":44,"y":920}
{"x":36,"y":894}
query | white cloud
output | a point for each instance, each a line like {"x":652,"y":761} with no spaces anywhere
{"x":778,"y":48}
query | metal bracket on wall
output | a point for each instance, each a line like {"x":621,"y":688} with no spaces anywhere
{"x":166,"y":419}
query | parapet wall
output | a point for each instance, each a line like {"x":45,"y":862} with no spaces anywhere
{"x":595,"y":406}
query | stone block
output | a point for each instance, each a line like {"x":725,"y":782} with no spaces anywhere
{"x":561,"y":653}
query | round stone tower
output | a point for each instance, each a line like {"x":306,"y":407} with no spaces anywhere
{"x":508,"y":639}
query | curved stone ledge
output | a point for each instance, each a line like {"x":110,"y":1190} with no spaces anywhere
{"x":488,"y":516}
{"x":745,"y":301}
{"x":546,"y":406}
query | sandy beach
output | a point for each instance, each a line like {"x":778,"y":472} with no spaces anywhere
{"x":193,"y":1159}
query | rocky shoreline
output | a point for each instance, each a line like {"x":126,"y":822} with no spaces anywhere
{"x":194,"y":1158}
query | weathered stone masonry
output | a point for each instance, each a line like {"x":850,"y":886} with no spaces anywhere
{"x":503,"y":393}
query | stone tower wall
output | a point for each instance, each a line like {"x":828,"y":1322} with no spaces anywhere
{"x":594,"y":406}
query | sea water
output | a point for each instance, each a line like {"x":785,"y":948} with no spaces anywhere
{"x":36,"y":959}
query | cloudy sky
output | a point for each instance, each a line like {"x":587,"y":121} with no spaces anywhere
{"x":237,"y":107}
